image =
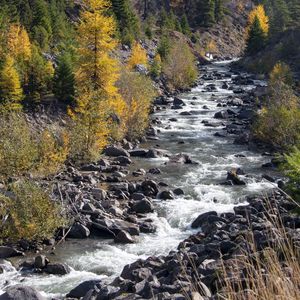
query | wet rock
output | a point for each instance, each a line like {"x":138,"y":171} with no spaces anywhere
{"x":178,"y":191}
{"x":91,"y":168}
{"x":203,"y":218}
{"x":178,"y":102}
{"x":21,"y":292}
{"x":173,"y":119}
{"x":79,"y":231}
{"x":223,"y":114}
{"x":186,"y":113}
{"x":123,"y":237}
{"x":138,"y":152}
{"x":149,"y":187}
{"x":143,"y":206}
{"x":154,"y":171}
{"x":268,"y":177}
{"x":82,"y":289}
{"x":57,"y":269}
{"x":123,"y":160}
{"x":40,"y":262}
{"x":234,"y":178}
{"x":116,"y":151}
{"x":6,"y":252}
{"x":137,"y":196}
{"x":182,"y":159}
{"x":166,"y":195}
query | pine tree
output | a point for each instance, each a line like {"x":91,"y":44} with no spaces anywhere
{"x":11,"y":93}
{"x":294,"y":8}
{"x":127,"y":19}
{"x":259,"y":13}
{"x":256,"y":38}
{"x":207,"y":12}
{"x":219,"y":10}
{"x":280,"y":17}
{"x":64,"y":80}
{"x":164,"y":47}
{"x":185,"y":26}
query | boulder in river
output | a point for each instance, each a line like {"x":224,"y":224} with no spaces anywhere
{"x":202,"y":218}
{"x":21,"y":292}
{"x":166,"y":195}
{"x":40,"y":262}
{"x":143,"y":206}
{"x":178,"y":102}
{"x":123,"y":237}
{"x":81,"y":290}
{"x":116,"y":151}
{"x":79,"y":231}
{"x":138,"y":152}
{"x":234,"y":178}
{"x":223,"y":114}
{"x":58,"y":269}
{"x":6,"y":252}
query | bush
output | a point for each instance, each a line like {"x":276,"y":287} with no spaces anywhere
{"x":180,"y":67}
{"x":22,"y":150}
{"x":28,"y":213}
{"x":156,"y":66}
{"x":138,"y":93}
{"x":138,"y":56}
{"x":292,"y":169}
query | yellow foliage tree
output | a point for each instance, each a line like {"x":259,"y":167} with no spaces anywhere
{"x":260,"y":13}
{"x":281,"y":72}
{"x":96,"y":80}
{"x":11,"y":93}
{"x":18,"y":43}
{"x":138,"y":56}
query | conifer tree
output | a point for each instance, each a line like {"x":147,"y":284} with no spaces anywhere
{"x":11,"y":93}
{"x":219,"y":10}
{"x":207,"y":12}
{"x":64,"y":80}
{"x":280,"y":16}
{"x":127,"y":20}
{"x":185,"y":26}
{"x":256,"y":37}
{"x":96,"y":80}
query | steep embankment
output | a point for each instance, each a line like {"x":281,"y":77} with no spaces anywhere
{"x":225,"y":38}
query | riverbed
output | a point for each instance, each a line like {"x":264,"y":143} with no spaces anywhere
{"x":103,"y":259}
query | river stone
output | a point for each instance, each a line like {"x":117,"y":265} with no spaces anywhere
{"x":138,"y":152}
{"x":166,"y":195}
{"x":40,"y":262}
{"x":143,"y":206}
{"x":6,"y":252}
{"x":123,"y":237}
{"x":203,"y":218}
{"x":234,"y":178}
{"x":58,"y":269}
{"x":82,"y":289}
{"x":178,"y":191}
{"x":116,"y":151}
{"x":79,"y":231}
{"x":123,"y":160}
{"x":20,"y":292}
{"x":223,"y":114}
{"x":178,"y":102}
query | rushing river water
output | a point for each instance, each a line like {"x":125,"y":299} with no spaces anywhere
{"x":96,"y":258}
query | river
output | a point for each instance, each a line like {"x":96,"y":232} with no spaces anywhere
{"x":96,"y":258}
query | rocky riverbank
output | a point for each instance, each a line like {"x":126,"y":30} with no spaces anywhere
{"x":111,"y":199}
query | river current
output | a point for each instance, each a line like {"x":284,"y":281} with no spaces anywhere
{"x":102,"y":259}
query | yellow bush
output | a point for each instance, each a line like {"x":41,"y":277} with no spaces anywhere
{"x":29,"y":213}
{"x":138,"y":56}
{"x":138,"y":93}
{"x":180,"y":66}
{"x":281,"y":72}
{"x":22,"y":150}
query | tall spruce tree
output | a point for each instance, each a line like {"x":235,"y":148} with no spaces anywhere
{"x":207,"y":12}
{"x":219,"y":10}
{"x":185,"y":26}
{"x":256,"y":38}
{"x":127,"y":20}
{"x":64,"y":80}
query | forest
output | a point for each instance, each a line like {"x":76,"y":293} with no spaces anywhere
{"x":134,"y":123}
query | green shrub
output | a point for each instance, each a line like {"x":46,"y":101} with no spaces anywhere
{"x":292,"y":169}
{"x":22,"y":150}
{"x":138,"y":92}
{"x":180,"y":66}
{"x":28,"y":213}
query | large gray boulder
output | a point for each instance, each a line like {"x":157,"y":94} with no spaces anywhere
{"x":20,"y":292}
{"x":79,"y":231}
{"x":6,"y":252}
{"x":82,"y":289}
{"x":116,"y":151}
{"x":123,"y":237}
{"x":58,"y":269}
{"x":143,"y":206}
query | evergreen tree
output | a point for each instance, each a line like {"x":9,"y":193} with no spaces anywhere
{"x":164,"y":47}
{"x":207,"y":12}
{"x":11,"y":93}
{"x":127,"y":20}
{"x":256,"y":37}
{"x":219,"y":10}
{"x":64,"y":80}
{"x":294,"y":8}
{"x":280,"y":16}
{"x":185,"y":26}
